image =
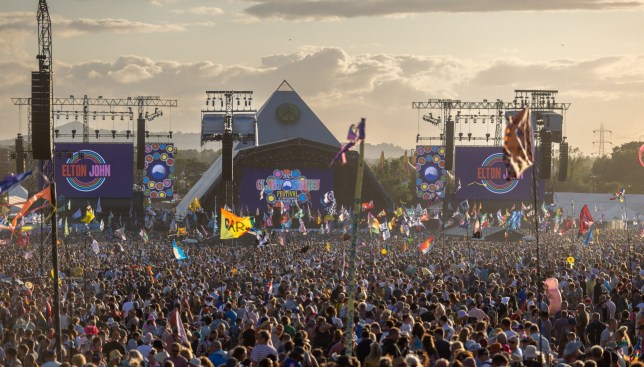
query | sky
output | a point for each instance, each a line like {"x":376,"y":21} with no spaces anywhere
{"x":346,"y":58}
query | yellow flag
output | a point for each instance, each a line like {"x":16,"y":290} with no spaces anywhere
{"x":233,"y":226}
{"x":195,"y":205}
{"x":398,"y":212}
{"x":181,"y":231}
{"x":89,"y":216}
{"x":328,"y":247}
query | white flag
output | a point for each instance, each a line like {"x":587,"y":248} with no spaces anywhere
{"x":98,"y":206}
{"x":102,"y":227}
{"x":95,"y":247}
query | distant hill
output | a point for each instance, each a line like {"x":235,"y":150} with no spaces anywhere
{"x":192,"y":141}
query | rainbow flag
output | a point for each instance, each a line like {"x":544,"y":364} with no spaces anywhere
{"x":427,"y":245}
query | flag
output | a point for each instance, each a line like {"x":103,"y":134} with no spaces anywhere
{"x":518,"y":144}
{"x":194,"y":205}
{"x":328,"y":247}
{"x":144,"y":236}
{"x":589,"y":235}
{"x":178,"y":252}
{"x":44,"y":194}
{"x":89,"y":216}
{"x":9,"y":182}
{"x":98,"y":206}
{"x":382,"y":213}
{"x":398,"y":212}
{"x":427,"y":245}
{"x":150,"y":274}
{"x":355,"y":135}
{"x":175,"y":320}
{"x":66,"y":231}
{"x":77,"y":214}
{"x":95,"y":247}
{"x":233,"y":226}
{"x":101,"y":226}
{"x":585,"y":220}
{"x":181,"y":231}
{"x":619,"y":195}
{"x":367,"y":206}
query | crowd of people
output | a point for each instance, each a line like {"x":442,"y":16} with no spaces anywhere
{"x":464,"y":303}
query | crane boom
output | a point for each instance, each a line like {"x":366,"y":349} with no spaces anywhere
{"x":44,"y":37}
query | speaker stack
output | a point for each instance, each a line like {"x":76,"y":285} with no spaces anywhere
{"x":20,"y":154}
{"x":545,"y":155}
{"x":563,"y":161}
{"x":41,"y":124}
{"x":449,"y":145}
{"x":140,"y":143}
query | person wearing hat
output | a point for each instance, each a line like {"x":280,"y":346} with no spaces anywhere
{"x":195,"y":362}
{"x":572,"y":352}
{"x":146,"y":344}
{"x":532,"y":357}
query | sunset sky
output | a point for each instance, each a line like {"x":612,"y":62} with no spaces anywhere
{"x":346,"y":58}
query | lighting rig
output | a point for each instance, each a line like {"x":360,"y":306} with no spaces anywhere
{"x":118,"y":109}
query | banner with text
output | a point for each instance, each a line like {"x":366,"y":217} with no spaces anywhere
{"x":284,"y":186}
{"x":482,"y":174}
{"x":91,"y":170}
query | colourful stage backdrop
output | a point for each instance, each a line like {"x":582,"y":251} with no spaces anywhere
{"x":270,"y":186}
{"x":482,"y":174}
{"x":159,"y":171}
{"x":430,"y":172}
{"x":91,"y":170}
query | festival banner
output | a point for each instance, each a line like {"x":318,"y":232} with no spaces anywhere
{"x":431,"y":175}
{"x":292,"y":187}
{"x":159,"y":171}
{"x":484,"y":176}
{"x":92,"y":170}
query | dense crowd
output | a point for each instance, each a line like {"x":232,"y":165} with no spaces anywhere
{"x":464,"y":303}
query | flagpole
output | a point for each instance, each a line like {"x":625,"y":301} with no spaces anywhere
{"x":54,"y":261}
{"x":536,"y":236}
{"x":351,"y":289}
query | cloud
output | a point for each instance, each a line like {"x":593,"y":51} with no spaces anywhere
{"x":337,"y":9}
{"x":200,"y":10}
{"x":14,"y":24}
{"x":345,"y":86}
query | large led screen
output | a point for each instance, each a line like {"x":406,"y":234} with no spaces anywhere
{"x":159,"y":171}
{"x":91,"y":170}
{"x":306,"y":187}
{"x":482,"y":175}
{"x":430,"y":172}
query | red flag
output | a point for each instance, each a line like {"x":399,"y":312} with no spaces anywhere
{"x":568,"y":223}
{"x":518,"y":144}
{"x":367,"y":206}
{"x":585,"y":220}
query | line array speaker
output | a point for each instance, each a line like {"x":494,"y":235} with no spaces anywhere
{"x":563,"y":161}
{"x":41,"y":124}
{"x":449,"y":145}
{"x":545,"y":155}
{"x":140,"y":143}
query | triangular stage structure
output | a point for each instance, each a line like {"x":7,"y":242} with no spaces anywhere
{"x":283,"y":117}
